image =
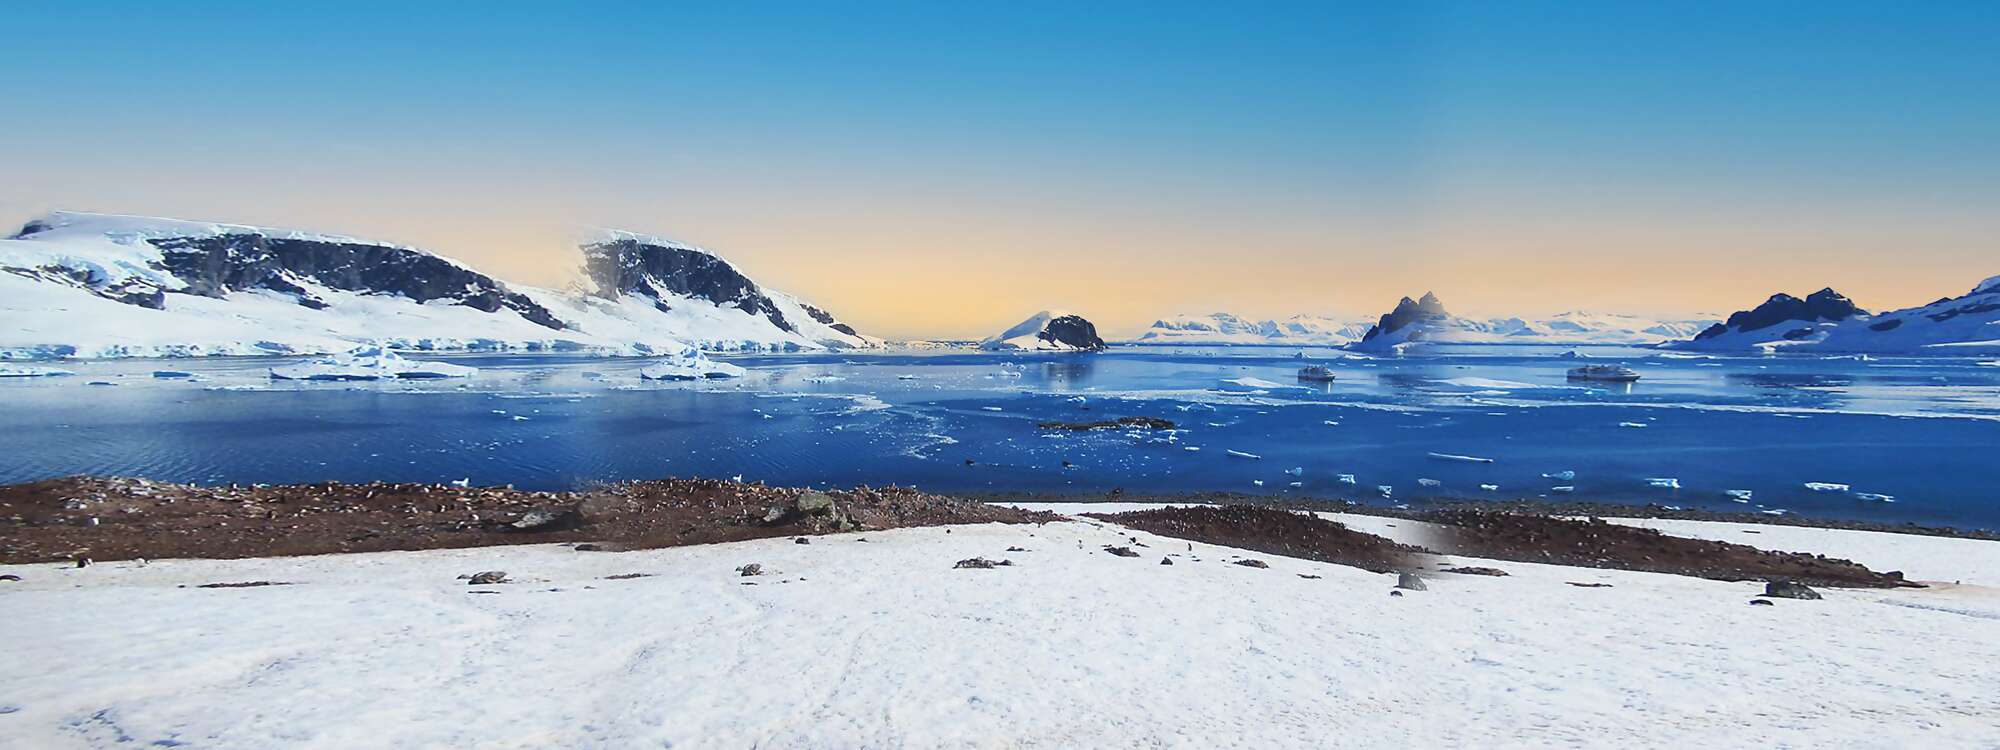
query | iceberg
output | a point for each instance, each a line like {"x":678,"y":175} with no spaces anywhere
{"x":1564,"y":475}
{"x":1459,"y":458}
{"x":1741,"y":496}
{"x":690,"y":364}
{"x":1670,"y":483}
{"x":1875,"y":497}
{"x":32,"y":372}
{"x":1826,"y":487}
{"x":369,"y":363}
{"x":1429,"y":483}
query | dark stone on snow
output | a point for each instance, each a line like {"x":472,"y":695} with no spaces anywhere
{"x":486,"y":577}
{"x":1475,"y":571}
{"x":1252,"y":563}
{"x":1410,"y":581}
{"x":1763,"y":602}
{"x":1166,"y":561}
{"x":981,"y":563}
{"x":1121,"y":551}
{"x":753,"y":569}
{"x":1789,"y":590}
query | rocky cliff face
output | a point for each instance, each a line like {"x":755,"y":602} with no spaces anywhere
{"x":670,"y":275}
{"x":661,"y":271}
{"x":1074,"y":332}
{"x":1825,"y":305}
{"x":211,"y":261}
{"x":1409,"y":312}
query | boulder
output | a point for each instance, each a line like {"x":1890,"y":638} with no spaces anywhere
{"x":483,"y":578}
{"x":1789,"y":590}
{"x":753,"y":569}
{"x":1411,"y":582}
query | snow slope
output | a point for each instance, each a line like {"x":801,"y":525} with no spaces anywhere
{"x":882,"y":644}
{"x":1968,"y":324}
{"x":97,"y":285}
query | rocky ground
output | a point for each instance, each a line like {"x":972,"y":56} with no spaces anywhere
{"x":1420,"y":507}
{"x":116,"y":518}
{"x":1279,"y":532}
{"x":1594,"y":543}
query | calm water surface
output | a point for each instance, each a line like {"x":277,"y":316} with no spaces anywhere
{"x":1926,"y":431}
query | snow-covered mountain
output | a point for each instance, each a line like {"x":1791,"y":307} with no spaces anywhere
{"x":1426,"y":320}
{"x":1225,"y":328}
{"x":99,"y":285}
{"x":1825,"y":321}
{"x":639,"y":283}
{"x":1048,"y":330}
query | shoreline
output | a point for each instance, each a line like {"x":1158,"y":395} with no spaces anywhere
{"x":1419,"y":508}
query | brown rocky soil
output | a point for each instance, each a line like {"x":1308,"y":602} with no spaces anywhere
{"x":1275,"y":531}
{"x":1596,"y":544}
{"x":115,"y":518}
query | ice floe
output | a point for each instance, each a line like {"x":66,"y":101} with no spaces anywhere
{"x":369,"y":363}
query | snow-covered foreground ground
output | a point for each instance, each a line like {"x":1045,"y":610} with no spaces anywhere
{"x":843,"y":643}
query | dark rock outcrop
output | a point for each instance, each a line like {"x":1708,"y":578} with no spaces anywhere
{"x":1072,"y":330}
{"x":657,"y":270}
{"x":214,"y":266}
{"x":1823,"y":305}
{"x":1408,"y":311}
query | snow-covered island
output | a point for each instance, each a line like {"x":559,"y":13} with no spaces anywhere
{"x":81,"y":285}
{"x":1827,"y":321}
{"x":1048,"y":330}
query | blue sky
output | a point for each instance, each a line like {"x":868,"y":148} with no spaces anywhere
{"x":890,"y":160}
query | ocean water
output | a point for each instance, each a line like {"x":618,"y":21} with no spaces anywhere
{"x":1925,"y":431}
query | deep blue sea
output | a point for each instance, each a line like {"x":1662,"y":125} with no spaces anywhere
{"x":1925,"y":431}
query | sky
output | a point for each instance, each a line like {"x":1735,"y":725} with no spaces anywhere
{"x":945,"y":169}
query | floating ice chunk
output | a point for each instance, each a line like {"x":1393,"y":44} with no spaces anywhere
{"x":1429,"y":483}
{"x":1563,"y":489}
{"x":825,"y":379}
{"x":1875,"y":497}
{"x":1774,"y":512}
{"x":1297,"y":484}
{"x":1076,"y":399}
{"x":1490,"y":487}
{"x":1564,"y":475}
{"x":1297,"y":471}
{"x":1741,"y":496}
{"x":1191,"y":448}
{"x":1345,"y":479}
{"x":991,"y":408}
{"x":906,"y":376}
{"x":1634,"y":424}
{"x":32,"y":372}
{"x":1256,"y":383}
{"x":1670,"y":483}
{"x":1258,"y":482}
{"x":466,"y":482}
{"x":1826,"y":487}
{"x":1241,"y":454}
{"x":1463,"y":459}
{"x":1384,"y":490}
{"x":518,"y":418}
{"x":691,"y":364}
{"x":172,"y":374}
{"x":368,"y":363}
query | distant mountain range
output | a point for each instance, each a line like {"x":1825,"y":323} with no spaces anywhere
{"x":99,"y":285}
{"x":1417,"y":321}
